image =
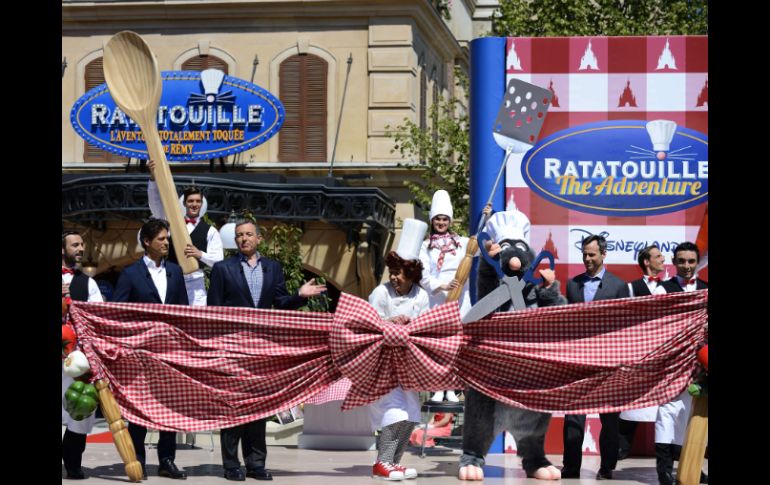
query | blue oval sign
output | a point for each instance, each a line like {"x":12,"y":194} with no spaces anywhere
{"x":621,"y":168}
{"x":202,"y":115}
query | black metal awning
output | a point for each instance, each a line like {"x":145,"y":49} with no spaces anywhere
{"x":93,"y":198}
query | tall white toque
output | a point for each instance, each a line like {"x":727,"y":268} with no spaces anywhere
{"x":512,"y":224}
{"x":441,"y":205}
{"x":412,"y":236}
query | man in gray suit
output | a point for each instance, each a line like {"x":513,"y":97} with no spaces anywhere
{"x":595,"y":284}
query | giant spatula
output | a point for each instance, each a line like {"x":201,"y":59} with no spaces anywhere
{"x":516,"y":129}
{"x":133,"y":78}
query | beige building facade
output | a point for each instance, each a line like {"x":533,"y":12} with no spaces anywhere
{"x":401,"y":56}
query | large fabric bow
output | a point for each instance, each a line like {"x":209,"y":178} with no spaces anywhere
{"x":377,"y":355}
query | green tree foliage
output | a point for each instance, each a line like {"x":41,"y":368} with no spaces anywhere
{"x":443,"y":153}
{"x":551,"y":18}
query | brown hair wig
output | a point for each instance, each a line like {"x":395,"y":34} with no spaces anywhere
{"x":412,"y":268}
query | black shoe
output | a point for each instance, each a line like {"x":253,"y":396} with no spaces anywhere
{"x":259,"y":474}
{"x":235,"y":474}
{"x":570,"y":472}
{"x":168,"y":469}
{"x":604,"y":474}
{"x":666,"y":478}
{"x":76,"y":474}
{"x":704,"y":478}
{"x":623,"y":454}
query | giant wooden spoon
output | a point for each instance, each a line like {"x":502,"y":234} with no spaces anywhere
{"x":133,"y":78}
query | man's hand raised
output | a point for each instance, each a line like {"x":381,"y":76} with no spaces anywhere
{"x":311,"y":289}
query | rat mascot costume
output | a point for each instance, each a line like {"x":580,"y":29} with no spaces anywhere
{"x":485,"y":418}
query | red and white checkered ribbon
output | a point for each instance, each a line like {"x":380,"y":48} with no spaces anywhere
{"x":377,"y":355}
{"x":174,"y":367}
{"x":598,"y":357}
{"x":196,"y":368}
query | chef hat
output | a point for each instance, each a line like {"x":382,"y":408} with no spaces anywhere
{"x":412,"y":236}
{"x":512,"y":224}
{"x":441,"y":205}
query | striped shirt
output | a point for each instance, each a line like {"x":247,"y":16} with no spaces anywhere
{"x":254,"y":277}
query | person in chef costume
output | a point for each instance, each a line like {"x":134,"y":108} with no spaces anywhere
{"x":441,"y":254}
{"x":399,"y":300}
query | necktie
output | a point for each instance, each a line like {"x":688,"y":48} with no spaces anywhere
{"x":190,"y":220}
{"x":650,"y":279}
{"x":690,"y":281}
{"x":67,"y":270}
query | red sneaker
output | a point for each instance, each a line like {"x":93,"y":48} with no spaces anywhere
{"x":408,"y":472}
{"x":387,"y":471}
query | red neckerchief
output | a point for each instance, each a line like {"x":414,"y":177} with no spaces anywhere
{"x":447,"y":242}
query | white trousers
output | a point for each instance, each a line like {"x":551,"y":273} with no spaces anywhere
{"x":397,"y":405}
{"x":671,"y":422}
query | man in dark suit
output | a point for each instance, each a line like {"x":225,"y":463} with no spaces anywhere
{"x":595,"y":284}
{"x":686,"y":258}
{"x":671,"y":421}
{"x":250,"y":280}
{"x":152,"y":279}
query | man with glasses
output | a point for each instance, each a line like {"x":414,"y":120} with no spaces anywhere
{"x":250,"y":280}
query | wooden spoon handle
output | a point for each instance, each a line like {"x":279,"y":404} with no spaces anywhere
{"x":464,"y":269}
{"x":169,"y":198}
{"x":691,"y":461}
{"x":119,"y":431}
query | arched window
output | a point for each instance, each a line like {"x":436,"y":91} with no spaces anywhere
{"x":303,"y":95}
{"x":91,"y":153}
{"x":201,"y":63}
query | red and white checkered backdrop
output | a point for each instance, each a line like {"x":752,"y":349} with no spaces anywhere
{"x":601,"y":79}
{"x":196,"y":368}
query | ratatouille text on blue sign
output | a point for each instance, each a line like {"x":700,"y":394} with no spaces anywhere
{"x":202,"y":115}
{"x":621,"y":168}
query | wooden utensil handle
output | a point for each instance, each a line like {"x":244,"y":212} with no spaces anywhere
{"x":169,"y":198}
{"x":691,"y":461}
{"x":119,"y":431}
{"x":464,"y":269}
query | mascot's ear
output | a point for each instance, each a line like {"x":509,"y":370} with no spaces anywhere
{"x":517,"y":249}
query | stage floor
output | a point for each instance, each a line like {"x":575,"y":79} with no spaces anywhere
{"x":290,"y":465}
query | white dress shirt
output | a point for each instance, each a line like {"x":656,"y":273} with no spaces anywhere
{"x":158,"y":275}
{"x":93,"y":289}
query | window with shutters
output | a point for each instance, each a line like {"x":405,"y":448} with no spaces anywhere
{"x":91,"y":153}
{"x":201,"y":63}
{"x":303,"y":95}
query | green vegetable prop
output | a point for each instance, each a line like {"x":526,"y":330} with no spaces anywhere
{"x":80,"y":400}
